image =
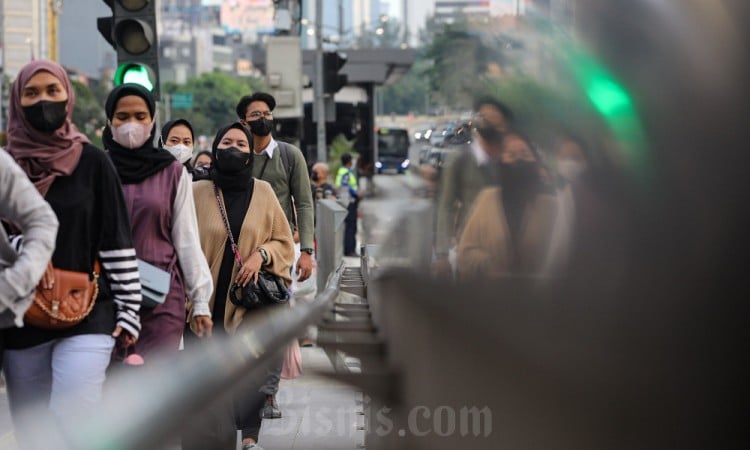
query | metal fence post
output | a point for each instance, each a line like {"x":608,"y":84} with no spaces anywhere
{"x":329,"y":233}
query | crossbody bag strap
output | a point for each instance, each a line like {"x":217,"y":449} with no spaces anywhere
{"x":225,"y":218}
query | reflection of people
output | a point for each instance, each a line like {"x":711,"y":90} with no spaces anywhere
{"x":572,"y":160}
{"x":21,"y":268}
{"x":346,"y":181}
{"x":158,"y":192}
{"x":466,"y":175}
{"x":510,"y":226}
{"x":261,"y":231}
{"x":66,"y":369}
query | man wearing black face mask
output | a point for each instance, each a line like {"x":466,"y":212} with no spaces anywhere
{"x":466,"y":175}
{"x":284,"y":167}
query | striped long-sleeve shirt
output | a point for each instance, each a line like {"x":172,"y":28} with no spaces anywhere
{"x":94,"y":224}
{"x":121,"y":270}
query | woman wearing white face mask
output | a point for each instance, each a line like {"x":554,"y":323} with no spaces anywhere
{"x":571,"y":159}
{"x":177,"y":138}
{"x":574,"y":199}
{"x":159,"y":197}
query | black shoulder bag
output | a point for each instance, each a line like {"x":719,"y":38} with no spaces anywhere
{"x":269,"y":290}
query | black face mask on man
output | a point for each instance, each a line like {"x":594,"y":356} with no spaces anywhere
{"x":231,"y":160}
{"x":261,"y":127}
{"x":46,"y":116}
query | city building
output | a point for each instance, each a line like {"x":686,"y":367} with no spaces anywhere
{"x":248,"y":18}
{"x":338,"y":21}
{"x":201,"y":37}
{"x":81,"y":45}
{"x":23,"y":33}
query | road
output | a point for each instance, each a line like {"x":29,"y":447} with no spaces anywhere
{"x":392,"y":201}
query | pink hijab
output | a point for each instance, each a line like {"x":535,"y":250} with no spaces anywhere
{"x":43,"y":156}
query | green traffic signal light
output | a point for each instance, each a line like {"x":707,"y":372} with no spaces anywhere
{"x":132,"y":32}
{"x":608,"y":96}
{"x":135,"y":74}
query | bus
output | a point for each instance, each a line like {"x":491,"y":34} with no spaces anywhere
{"x":393,"y":150}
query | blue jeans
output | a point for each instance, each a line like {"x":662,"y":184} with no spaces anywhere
{"x":65,"y":376}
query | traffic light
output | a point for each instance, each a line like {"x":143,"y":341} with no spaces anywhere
{"x":132,"y":33}
{"x":333,"y":81}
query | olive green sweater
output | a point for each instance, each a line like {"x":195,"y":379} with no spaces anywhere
{"x":275,"y":174}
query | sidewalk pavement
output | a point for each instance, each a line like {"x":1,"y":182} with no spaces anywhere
{"x":318,"y":413}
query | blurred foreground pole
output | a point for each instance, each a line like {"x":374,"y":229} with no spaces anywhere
{"x":320,"y":106}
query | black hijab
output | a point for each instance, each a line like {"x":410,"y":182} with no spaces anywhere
{"x":238,"y":181}
{"x":133,"y":165}
{"x":171,"y":124}
{"x":520,"y":182}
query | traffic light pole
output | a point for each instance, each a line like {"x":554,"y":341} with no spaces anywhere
{"x":320,"y":106}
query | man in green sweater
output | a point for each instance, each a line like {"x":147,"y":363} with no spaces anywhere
{"x":464,"y":176}
{"x":284,"y":167}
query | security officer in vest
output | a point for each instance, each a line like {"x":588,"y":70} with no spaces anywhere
{"x":346,"y":182}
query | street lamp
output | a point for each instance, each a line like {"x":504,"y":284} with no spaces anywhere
{"x":379,"y":31}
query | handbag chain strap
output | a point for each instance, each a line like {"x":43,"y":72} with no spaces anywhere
{"x":53,"y":313}
{"x":224,"y":216}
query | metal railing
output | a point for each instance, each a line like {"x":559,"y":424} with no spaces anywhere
{"x":148,"y":409}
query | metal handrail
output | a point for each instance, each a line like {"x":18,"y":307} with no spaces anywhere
{"x":145,"y":410}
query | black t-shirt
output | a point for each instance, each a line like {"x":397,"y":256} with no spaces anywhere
{"x":90,"y":207}
{"x":236,"y":203}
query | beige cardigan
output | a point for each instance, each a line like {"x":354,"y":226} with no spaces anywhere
{"x":265,"y":225}
{"x":484,"y":246}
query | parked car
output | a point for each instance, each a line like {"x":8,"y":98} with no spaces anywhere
{"x":442,"y":132}
{"x":423,"y":134}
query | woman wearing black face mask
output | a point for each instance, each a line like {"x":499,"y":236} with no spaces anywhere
{"x":80,"y":184}
{"x":510,"y":226}
{"x":264,"y":241}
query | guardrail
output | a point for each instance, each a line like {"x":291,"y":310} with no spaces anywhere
{"x":148,"y":409}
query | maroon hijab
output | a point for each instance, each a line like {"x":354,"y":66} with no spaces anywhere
{"x":43,"y":156}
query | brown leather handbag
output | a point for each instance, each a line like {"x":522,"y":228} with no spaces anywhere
{"x":70,"y":300}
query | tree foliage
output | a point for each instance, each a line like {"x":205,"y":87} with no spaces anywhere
{"x":88,"y":111}
{"x":338,"y":147}
{"x":409,"y":95}
{"x":215,"y":97}
{"x":453,"y":61}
